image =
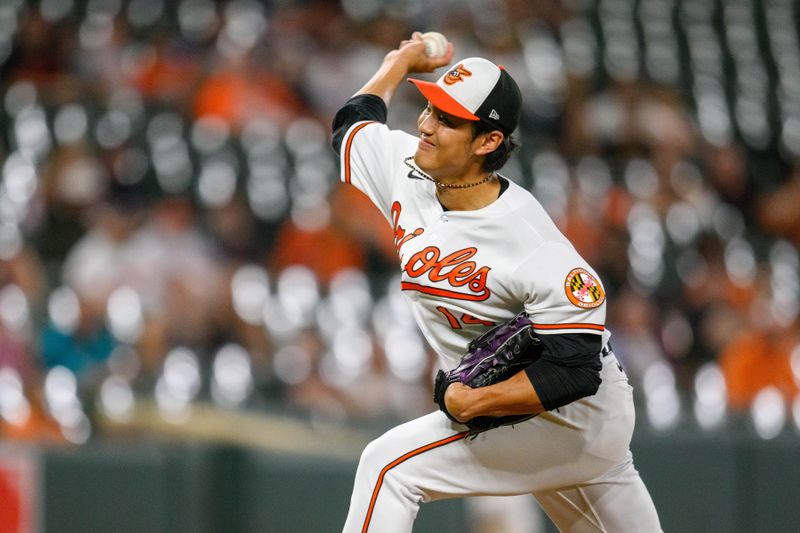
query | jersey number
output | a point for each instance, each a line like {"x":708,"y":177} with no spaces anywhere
{"x":465,"y":319}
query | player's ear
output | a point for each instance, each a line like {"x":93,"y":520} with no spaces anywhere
{"x":488,"y":142}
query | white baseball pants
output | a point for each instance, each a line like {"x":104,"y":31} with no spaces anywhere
{"x":575,"y":461}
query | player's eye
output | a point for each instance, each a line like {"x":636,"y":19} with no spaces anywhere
{"x":445,"y":120}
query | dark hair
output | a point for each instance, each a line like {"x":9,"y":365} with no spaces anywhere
{"x":495,"y":160}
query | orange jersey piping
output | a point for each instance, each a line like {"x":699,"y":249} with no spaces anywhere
{"x":399,"y":460}
{"x":594,"y":327}
{"x":347,"y":149}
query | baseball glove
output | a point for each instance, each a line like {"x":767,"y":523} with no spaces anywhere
{"x":494,"y":356}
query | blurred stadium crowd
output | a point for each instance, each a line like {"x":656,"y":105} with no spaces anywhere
{"x":171,"y":228}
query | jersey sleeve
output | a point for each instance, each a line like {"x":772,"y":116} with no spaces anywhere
{"x":371,"y":157}
{"x":362,"y":107}
{"x":562,"y":292}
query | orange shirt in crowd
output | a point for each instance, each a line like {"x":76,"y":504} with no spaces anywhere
{"x":325,"y":251}
{"x":755,"y":360}
{"x":235,"y":98}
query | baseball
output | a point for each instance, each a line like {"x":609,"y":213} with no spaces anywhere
{"x":435,"y":44}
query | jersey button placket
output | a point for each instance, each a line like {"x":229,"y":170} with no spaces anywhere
{"x":433,"y":236}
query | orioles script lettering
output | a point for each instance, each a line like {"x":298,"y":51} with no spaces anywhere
{"x":455,"y":269}
{"x":399,"y":232}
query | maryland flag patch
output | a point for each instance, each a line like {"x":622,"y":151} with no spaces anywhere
{"x":583,"y":289}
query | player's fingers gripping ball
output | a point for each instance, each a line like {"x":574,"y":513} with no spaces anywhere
{"x":495,"y":356}
{"x":435,"y":44}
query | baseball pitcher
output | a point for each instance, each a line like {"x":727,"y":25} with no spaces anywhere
{"x":532,"y":399}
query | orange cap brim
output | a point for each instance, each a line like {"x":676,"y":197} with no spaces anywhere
{"x":439,"y":98}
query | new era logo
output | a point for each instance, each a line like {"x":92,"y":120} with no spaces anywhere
{"x":494,"y":115}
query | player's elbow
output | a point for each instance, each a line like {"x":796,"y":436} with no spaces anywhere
{"x":558,"y":385}
{"x":337,"y":137}
{"x":591,"y":382}
{"x":585,"y":381}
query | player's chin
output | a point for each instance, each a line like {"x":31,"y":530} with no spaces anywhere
{"x":424,"y":160}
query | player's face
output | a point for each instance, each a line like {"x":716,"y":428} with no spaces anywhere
{"x":446,"y":148}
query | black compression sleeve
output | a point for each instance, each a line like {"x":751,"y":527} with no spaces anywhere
{"x":568,"y":370}
{"x":356,"y":109}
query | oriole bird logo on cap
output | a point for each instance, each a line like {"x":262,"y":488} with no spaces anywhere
{"x":456,"y":75}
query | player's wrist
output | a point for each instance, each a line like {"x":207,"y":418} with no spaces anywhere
{"x":458,"y":401}
{"x":410,"y":57}
{"x":405,"y":61}
{"x":396,"y":60}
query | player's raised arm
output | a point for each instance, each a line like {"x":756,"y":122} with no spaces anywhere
{"x":370,"y":102}
{"x":408,"y":58}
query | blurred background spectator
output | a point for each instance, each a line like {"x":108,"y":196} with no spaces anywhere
{"x":171,"y":230}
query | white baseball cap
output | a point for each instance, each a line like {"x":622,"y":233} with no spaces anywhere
{"x":476,"y":89}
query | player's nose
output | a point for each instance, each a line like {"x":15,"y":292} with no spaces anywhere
{"x":426,"y":124}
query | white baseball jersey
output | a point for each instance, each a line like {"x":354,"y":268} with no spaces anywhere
{"x":465,"y":270}
{"x":461,"y":272}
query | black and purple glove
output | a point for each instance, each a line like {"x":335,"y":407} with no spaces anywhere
{"x":495,"y":356}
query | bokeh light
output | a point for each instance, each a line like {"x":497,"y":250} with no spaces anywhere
{"x":768,"y":413}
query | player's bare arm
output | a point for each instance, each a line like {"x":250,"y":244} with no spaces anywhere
{"x":514,"y":396}
{"x":408,"y":58}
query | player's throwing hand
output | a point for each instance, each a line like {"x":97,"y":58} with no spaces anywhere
{"x":412,"y":51}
